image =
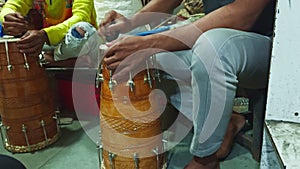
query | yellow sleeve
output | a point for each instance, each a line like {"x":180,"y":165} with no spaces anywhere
{"x":11,"y":6}
{"x":82,"y":10}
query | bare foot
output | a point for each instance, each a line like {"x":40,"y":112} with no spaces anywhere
{"x":236,"y":123}
{"x":210,"y":162}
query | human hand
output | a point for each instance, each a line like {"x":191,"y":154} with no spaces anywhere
{"x":15,"y":24}
{"x":128,"y":54}
{"x":113,"y":24}
{"x":32,"y":42}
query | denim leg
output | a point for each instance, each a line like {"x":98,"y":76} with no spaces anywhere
{"x":75,"y":45}
{"x":222,"y":59}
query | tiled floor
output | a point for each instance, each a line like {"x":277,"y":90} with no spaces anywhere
{"x":76,"y":150}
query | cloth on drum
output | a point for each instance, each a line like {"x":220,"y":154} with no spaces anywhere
{"x":73,"y":45}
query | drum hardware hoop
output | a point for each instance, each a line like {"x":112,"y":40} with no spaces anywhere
{"x":43,"y":124}
{"x":9,"y":66}
{"x":26,"y":137}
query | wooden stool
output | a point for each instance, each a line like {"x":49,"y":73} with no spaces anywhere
{"x":257,"y":107}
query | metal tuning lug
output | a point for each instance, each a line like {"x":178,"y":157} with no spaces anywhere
{"x":9,"y":66}
{"x":24,"y":130}
{"x":43,"y":124}
{"x":130,"y":83}
{"x":100,"y":153}
{"x":26,"y":65}
{"x":156,"y":71}
{"x":148,"y":75}
{"x":2,"y":135}
{"x":111,"y":83}
{"x":111,"y":157}
{"x":99,"y":76}
{"x":156,"y":152}
{"x":136,"y":160}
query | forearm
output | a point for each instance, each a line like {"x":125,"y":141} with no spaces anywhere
{"x":21,"y":6}
{"x":154,"y":6}
{"x":240,"y":15}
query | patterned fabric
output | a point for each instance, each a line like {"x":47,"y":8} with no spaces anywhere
{"x":41,"y":7}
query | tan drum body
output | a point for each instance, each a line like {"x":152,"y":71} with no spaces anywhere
{"x":26,"y":103}
{"x":130,"y":125}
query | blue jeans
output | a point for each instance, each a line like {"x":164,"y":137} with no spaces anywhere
{"x":208,"y":75}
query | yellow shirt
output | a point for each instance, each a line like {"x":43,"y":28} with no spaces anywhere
{"x":61,"y":14}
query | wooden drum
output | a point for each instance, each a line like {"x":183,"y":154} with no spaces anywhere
{"x":130,"y":123}
{"x":26,"y":104}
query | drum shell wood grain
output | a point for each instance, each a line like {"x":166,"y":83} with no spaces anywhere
{"x":25,"y":99}
{"x":130,"y":123}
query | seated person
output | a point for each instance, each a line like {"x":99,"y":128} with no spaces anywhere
{"x":62,"y":27}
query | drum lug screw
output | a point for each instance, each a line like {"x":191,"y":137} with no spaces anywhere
{"x":148,"y":75}
{"x":43,"y":124}
{"x":24,"y":130}
{"x":136,"y":160}
{"x":111,"y":157}
{"x":99,"y":77}
{"x":155,"y":151}
{"x":130,"y":83}
{"x":100,"y":153}
{"x":26,"y":65}
{"x":111,"y":83}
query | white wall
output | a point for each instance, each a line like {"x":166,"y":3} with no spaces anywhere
{"x":284,"y":86}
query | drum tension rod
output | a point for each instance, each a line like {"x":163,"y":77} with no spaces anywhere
{"x":24,"y":130}
{"x":99,"y":77}
{"x":156,"y":71}
{"x":9,"y":66}
{"x":156,"y":152}
{"x":26,"y":65}
{"x":130,"y":83}
{"x":111,"y":157}
{"x":147,"y":77}
{"x":111,"y":82}
{"x":100,"y":153}
{"x":2,"y":135}
{"x":43,"y":124}
{"x":136,"y":160}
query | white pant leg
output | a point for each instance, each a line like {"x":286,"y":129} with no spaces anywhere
{"x":222,"y":59}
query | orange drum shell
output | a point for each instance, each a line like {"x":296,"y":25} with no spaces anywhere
{"x":121,"y":162}
{"x":141,"y":88}
{"x":129,"y":131}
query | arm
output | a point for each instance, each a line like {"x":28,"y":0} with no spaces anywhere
{"x":12,"y":6}
{"x":115,"y":23}
{"x":240,"y":15}
{"x":83,"y":10}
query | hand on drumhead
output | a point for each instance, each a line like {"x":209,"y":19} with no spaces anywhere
{"x":113,"y":24}
{"x":32,"y":42}
{"x":127,"y":54}
{"x":15,"y":24}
